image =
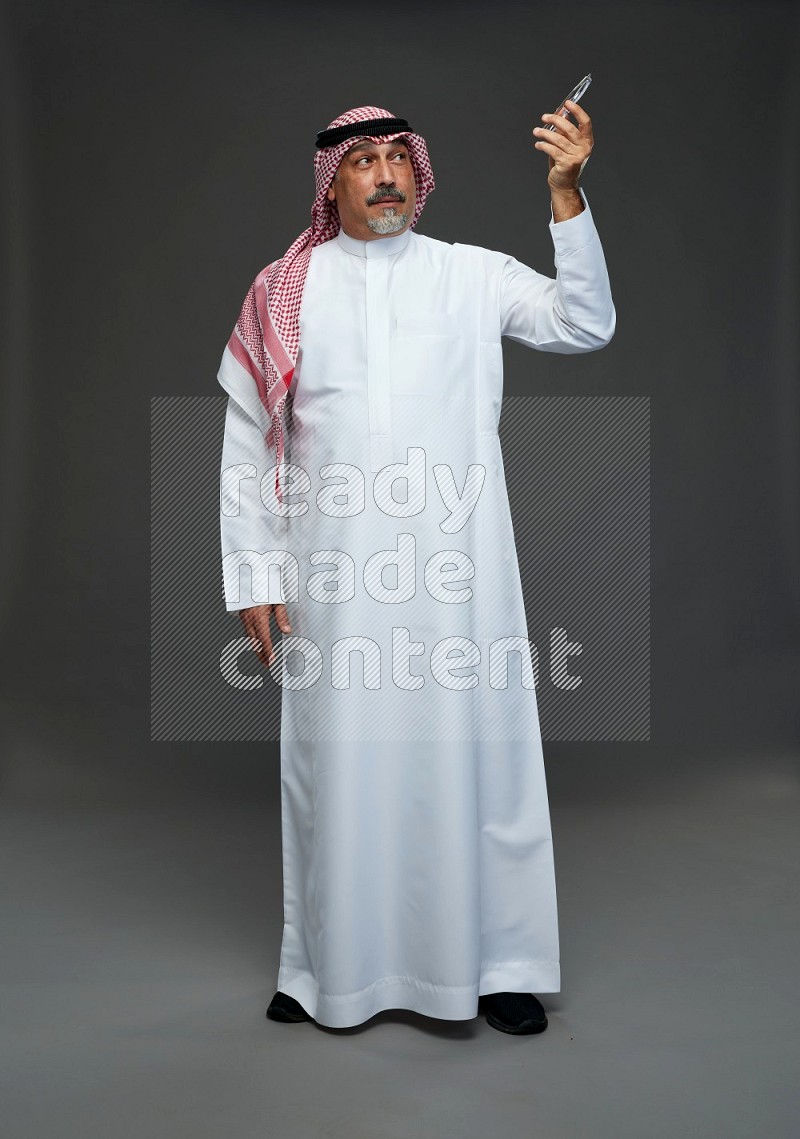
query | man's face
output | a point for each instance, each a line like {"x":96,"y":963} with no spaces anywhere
{"x":374,"y":190}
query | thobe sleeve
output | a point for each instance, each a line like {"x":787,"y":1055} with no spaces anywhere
{"x":251,"y":535}
{"x":574,"y":312}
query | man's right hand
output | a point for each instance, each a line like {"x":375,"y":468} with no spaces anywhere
{"x":256,"y":621}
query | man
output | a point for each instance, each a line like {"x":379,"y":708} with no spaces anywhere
{"x":417,"y":854}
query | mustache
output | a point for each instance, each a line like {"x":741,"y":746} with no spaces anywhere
{"x":386,"y":195}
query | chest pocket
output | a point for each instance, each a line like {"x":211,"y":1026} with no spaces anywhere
{"x":425,"y":349}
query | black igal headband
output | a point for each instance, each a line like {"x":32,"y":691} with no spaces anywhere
{"x":364,"y":127}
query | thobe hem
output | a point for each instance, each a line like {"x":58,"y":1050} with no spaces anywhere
{"x":444,"y":1002}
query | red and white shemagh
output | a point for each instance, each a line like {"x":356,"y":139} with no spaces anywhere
{"x":266,"y":337}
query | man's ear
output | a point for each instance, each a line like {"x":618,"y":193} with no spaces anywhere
{"x":331,"y":195}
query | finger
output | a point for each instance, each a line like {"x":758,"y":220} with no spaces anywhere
{"x":264,"y":631}
{"x":259,"y":634}
{"x":565,"y":158}
{"x":578,"y":111}
{"x":558,"y":123}
{"x":562,"y":144}
{"x":549,"y":149}
{"x":282,"y":618}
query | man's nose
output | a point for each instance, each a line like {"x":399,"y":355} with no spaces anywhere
{"x":384,"y":173}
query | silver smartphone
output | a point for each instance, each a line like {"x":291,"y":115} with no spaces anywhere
{"x":575,"y":95}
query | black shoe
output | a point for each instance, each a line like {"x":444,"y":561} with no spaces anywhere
{"x":286,"y":1009}
{"x":520,"y":1013}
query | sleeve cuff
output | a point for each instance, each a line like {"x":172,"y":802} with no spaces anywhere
{"x":573,"y":233}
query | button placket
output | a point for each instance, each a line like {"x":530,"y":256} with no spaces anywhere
{"x":378,"y":360}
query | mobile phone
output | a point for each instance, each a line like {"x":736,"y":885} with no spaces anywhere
{"x":575,"y":95}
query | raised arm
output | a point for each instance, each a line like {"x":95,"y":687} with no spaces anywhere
{"x":574,"y":312}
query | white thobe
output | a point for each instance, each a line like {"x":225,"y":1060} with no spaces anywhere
{"x":418,"y":867}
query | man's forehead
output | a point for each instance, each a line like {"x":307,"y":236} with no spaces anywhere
{"x":364,"y":145}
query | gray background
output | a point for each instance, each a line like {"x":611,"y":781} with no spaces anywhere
{"x":155,"y":157}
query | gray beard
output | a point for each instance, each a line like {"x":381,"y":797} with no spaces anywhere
{"x":388,"y":223}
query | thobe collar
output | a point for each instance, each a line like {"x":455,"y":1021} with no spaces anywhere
{"x":378,"y":247}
